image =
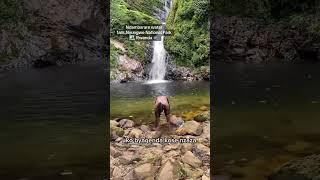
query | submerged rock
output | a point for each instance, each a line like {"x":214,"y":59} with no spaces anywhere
{"x":306,"y":168}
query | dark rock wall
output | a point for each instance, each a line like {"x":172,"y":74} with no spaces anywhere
{"x":244,"y":39}
{"x":56,"y":32}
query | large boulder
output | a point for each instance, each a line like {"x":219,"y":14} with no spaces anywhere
{"x":306,"y":168}
{"x":191,"y":128}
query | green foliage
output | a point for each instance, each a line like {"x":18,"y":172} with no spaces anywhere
{"x":123,"y":14}
{"x":264,"y":8}
{"x":136,"y":49}
{"x":145,"y":6}
{"x":302,"y":15}
{"x":314,"y":29}
{"x":189,"y":21}
{"x":114,"y":55}
{"x":10,"y":12}
{"x":133,"y":12}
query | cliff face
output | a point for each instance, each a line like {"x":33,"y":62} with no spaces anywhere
{"x":236,"y":38}
{"x":53,"y":32}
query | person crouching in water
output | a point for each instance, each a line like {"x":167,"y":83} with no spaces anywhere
{"x":162,"y":105}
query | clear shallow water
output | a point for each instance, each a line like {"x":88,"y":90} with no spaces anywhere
{"x":265,"y":114}
{"x":53,"y":120}
{"x":137,"y":99}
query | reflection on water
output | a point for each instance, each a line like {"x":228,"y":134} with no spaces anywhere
{"x":264,"y":116}
{"x":160,"y":89}
{"x":47,"y":115}
{"x":137,"y":98}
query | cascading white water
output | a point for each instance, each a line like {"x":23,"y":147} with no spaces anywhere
{"x":158,"y":69}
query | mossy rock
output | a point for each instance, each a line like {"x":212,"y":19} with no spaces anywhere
{"x":117,"y":130}
{"x":189,"y":116}
{"x":204,"y":108}
{"x":202,"y":117}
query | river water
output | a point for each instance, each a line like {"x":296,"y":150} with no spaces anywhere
{"x":53,"y":123}
{"x":264,"y":115}
{"x":137,"y":99}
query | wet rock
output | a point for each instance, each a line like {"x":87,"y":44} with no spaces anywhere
{"x":202,"y":152}
{"x":191,"y":172}
{"x":116,"y":173}
{"x":167,"y":171}
{"x":191,"y":128}
{"x":191,"y":159}
{"x":114,"y":152}
{"x":170,"y":147}
{"x":153,"y":134}
{"x":135,"y":133}
{"x":116,"y":132}
{"x":186,"y":147}
{"x":144,"y":128}
{"x":118,"y":139}
{"x":204,"y":108}
{"x":171,"y":155}
{"x":114,"y":123}
{"x":205,"y":116}
{"x":126,"y":123}
{"x":128,"y":157}
{"x":306,"y":168}
{"x":204,"y":177}
{"x":130,"y":176}
{"x":154,"y":155}
{"x":144,"y":171}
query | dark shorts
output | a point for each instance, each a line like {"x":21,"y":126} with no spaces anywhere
{"x":162,"y":108}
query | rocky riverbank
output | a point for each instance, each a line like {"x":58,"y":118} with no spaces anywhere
{"x":137,"y":152}
{"x":237,"y":38}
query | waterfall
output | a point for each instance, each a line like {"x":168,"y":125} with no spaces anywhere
{"x":158,"y":69}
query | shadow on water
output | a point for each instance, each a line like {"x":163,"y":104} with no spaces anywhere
{"x":265,"y":115}
{"x":53,"y":123}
